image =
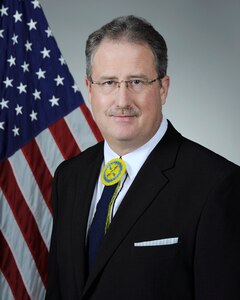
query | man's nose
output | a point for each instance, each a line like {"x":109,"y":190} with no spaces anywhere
{"x":124,"y":82}
{"x":123,"y":95}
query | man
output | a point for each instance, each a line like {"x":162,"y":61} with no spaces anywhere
{"x":173,"y":224}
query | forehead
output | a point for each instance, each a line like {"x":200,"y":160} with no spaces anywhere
{"x":122,"y":57}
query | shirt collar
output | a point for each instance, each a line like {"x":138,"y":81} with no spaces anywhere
{"x":135,"y":159}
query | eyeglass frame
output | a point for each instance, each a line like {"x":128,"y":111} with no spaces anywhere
{"x":144,"y":81}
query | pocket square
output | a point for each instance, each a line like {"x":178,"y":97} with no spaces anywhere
{"x":161,"y":242}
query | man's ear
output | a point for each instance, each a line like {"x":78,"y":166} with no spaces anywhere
{"x":165,"y":82}
{"x":89,"y":87}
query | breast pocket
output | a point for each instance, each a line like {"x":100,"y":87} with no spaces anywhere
{"x":156,"y":249}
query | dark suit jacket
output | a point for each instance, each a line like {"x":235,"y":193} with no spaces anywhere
{"x":183,"y":190}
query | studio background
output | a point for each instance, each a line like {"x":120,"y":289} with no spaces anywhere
{"x":203,"y":39}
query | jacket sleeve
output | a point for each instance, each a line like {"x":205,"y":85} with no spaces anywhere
{"x":217,"y":252}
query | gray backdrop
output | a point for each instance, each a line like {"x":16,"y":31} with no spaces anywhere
{"x":204,"y":58}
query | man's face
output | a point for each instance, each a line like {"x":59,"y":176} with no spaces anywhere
{"x":126,"y":119}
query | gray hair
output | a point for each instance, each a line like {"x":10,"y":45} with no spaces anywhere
{"x":134,"y":30}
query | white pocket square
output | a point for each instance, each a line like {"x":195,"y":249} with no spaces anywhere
{"x":161,"y":242}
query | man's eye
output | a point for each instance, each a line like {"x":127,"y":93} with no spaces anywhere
{"x":137,"y":82}
{"x":108,"y":83}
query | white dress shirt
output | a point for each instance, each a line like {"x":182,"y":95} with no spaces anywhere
{"x":134,"y":161}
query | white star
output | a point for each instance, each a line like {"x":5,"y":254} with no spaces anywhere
{"x":41,"y":73}
{"x":32,"y":25}
{"x":11,"y":60}
{"x":25,"y":67}
{"x":28,"y":46}
{"x":8,"y":82}
{"x":1,"y":125}
{"x":62,"y":60}
{"x":49,"y":32}
{"x":22,"y":88}
{"x":54,"y":101}
{"x":3,"y":10}
{"x":4,"y":103}
{"x":1,"y":33}
{"x":33,"y":115}
{"x":15,"y":39}
{"x":17,"y":17}
{"x":75,"y":87}
{"x":45,"y":52}
{"x":18,"y":109}
{"x":15,"y":130}
{"x":59,"y":80}
{"x":36,"y":94}
{"x":36,"y":4}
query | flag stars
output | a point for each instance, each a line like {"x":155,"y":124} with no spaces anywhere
{"x":36,"y":94}
{"x":22,"y":88}
{"x":25,"y":67}
{"x":36,"y":4}
{"x":40,"y":73}
{"x":1,"y":125}
{"x":8,"y":82}
{"x":45,"y":52}
{"x":18,"y":109}
{"x":4,"y":103}
{"x":12,"y":60}
{"x":28,"y":46}
{"x":17,"y":16}
{"x":59,"y":80}
{"x":1,"y":33}
{"x":62,"y":60}
{"x":75,"y":88}
{"x":15,"y":130}
{"x":32,"y":25}
{"x":54,"y":101}
{"x":48,"y":32}
{"x":15,"y":39}
{"x":4,"y":10}
{"x":33,"y":116}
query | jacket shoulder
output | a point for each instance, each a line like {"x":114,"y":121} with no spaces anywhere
{"x":202,"y":157}
{"x":81,"y":160}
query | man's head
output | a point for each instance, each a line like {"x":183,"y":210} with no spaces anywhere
{"x":127,"y":82}
{"x":134,"y":30}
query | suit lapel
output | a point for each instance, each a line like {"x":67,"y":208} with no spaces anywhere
{"x":85,"y":184}
{"x":144,"y":192}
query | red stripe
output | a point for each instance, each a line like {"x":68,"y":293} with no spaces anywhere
{"x":91,"y":123}
{"x":64,"y":139}
{"x":24,"y":219}
{"x":39,"y":169}
{"x":10,"y":271}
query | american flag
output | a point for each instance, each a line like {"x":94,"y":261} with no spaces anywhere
{"x":43,"y":120}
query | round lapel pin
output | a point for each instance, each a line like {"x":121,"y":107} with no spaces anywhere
{"x":113,"y":171}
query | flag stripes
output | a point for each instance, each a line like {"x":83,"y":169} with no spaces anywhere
{"x":62,"y":137}
{"x":25,"y":182}
{"x":84,"y":130}
{"x":50,"y":151}
{"x":39,"y":169}
{"x":19,"y":178}
{"x":24,"y":219}
{"x":5,"y":291}
{"x":14,"y":267}
{"x":13,"y":285}
{"x":90,"y":121}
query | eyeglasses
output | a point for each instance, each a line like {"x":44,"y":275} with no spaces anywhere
{"x":134,"y":85}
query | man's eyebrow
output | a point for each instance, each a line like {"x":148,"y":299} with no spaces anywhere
{"x":105,"y":77}
{"x":141,"y":75}
{"x":132,"y":76}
